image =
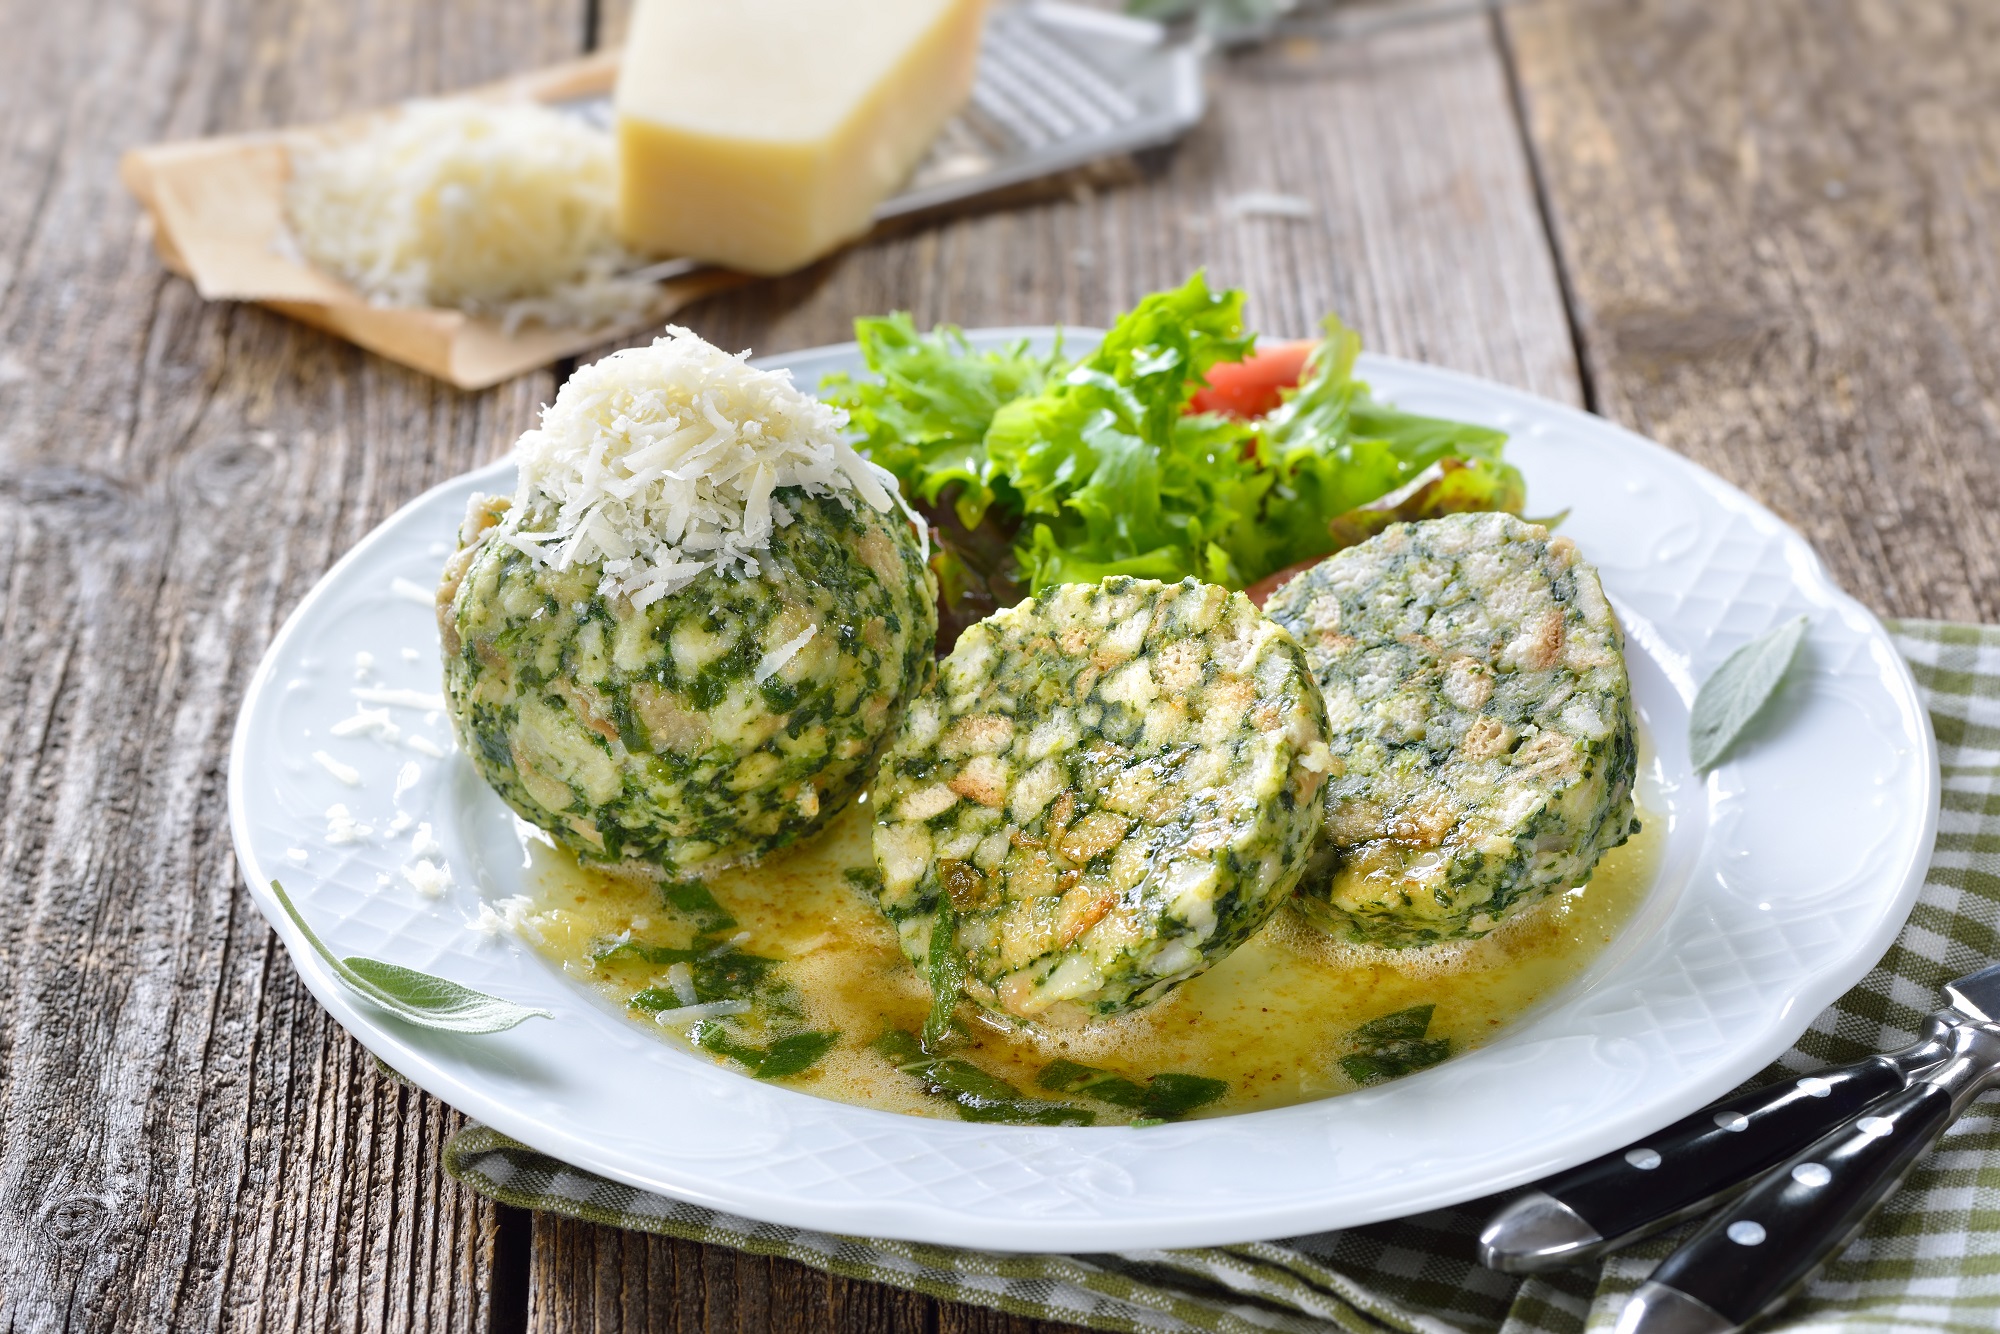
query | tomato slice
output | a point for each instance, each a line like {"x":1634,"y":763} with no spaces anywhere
{"x":1250,"y":388}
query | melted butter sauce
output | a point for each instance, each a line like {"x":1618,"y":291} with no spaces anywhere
{"x":1272,"y":1019}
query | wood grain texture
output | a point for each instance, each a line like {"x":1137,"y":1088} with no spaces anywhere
{"x":1779,"y":222}
{"x":598,"y":1280}
{"x":1425,"y":235}
{"x":186,"y":1140}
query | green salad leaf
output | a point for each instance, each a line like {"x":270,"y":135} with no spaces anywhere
{"x":1114,"y":476}
{"x":927,"y":417}
{"x":1336,"y":451}
{"x":1037,"y":470}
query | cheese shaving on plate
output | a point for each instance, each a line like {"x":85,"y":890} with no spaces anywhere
{"x":661,"y":463}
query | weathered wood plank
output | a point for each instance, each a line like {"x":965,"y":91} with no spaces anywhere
{"x":186,"y":1140}
{"x":596,"y":1280}
{"x":1425,"y":235}
{"x":1779,"y":224}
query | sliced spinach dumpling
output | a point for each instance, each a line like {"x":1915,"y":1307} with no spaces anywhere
{"x":1109,"y":787}
{"x":1483,"y":738}
{"x":664,"y":669}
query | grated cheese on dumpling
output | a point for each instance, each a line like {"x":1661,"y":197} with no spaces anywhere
{"x":662,"y":462}
{"x":498,"y":208}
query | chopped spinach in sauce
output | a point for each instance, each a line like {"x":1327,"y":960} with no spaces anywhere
{"x":768,"y":1036}
{"x":978,"y":1096}
{"x":1167,"y":1097}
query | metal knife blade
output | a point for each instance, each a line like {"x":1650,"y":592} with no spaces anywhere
{"x":1977,"y":994}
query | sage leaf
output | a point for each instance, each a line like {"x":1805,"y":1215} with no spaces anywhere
{"x":1393,"y":1060}
{"x":1402,"y":1026}
{"x":422,"y":999}
{"x":1738,"y":690}
{"x":1393,"y":1045}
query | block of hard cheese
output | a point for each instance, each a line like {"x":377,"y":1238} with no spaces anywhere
{"x":761,"y":134}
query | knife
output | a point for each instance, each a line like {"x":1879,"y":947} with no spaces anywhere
{"x":1695,"y":1162}
{"x":1761,"y":1249}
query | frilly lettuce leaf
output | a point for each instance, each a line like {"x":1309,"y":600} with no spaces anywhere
{"x":1038,"y":471}
{"x":1113,"y":474}
{"x":1450,"y":486}
{"x":1334,"y":449}
{"x":926,"y":418}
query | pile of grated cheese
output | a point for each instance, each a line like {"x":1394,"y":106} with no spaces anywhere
{"x":497,"y":208}
{"x":660,"y":463}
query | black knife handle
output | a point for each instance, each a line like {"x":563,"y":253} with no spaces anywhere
{"x":1751,"y":1255}
{"x":1685,"y":1167}
{"x":1754,"y":1253}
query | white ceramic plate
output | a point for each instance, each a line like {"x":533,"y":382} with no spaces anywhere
{"x":1786,"y":874}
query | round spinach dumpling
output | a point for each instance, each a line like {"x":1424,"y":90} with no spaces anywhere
{"x":716,"y":723}
{"x":1109,"y":788}
{"x":1483,"y":739}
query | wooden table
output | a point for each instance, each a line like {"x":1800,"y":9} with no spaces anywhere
{"x":1765,"y":233}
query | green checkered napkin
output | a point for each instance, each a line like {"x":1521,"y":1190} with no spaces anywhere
{"x":1930,"y":1259}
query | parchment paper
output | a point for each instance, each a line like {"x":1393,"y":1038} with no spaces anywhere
{"x":218,"y":220}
